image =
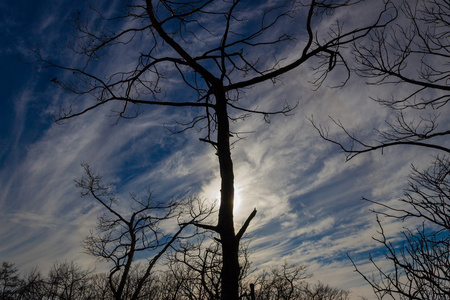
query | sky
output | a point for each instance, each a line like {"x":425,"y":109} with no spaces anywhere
{"x":308,"y":198}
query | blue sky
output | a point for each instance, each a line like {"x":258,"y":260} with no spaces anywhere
{"x":308,"y":198}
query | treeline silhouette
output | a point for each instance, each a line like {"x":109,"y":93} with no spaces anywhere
{"x":69,"y":281}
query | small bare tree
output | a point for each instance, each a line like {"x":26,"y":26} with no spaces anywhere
{"x":67,"y":281}
{"x":289,"y":282}
{"x":196,"y":265}
{"x":98,"y":287}
{"x":321,"y":291}
{"x":10,"y":281}
{"x":286,"y":282}
{"x":128,"y":234}
{"x":34,"y":287}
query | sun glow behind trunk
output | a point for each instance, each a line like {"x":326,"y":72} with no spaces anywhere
{"x":237,"y":199}
{"x":237,"y":203}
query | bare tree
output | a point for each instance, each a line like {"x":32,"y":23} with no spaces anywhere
{"x":34,"y":286}
{"x":320,"y":291}
{"x":125,"y":234}
{"x":67,"y":281}
{"x":420,"y":265}
{"x":286,"y":282}
{"x":10,"y":280}
{"x":412,"y":54}
{"x":289,"y":282}
{"x":98,"y":287}
{"x":414,"y":51}
{"x":217,"y":49}
{"x":196,"y":267}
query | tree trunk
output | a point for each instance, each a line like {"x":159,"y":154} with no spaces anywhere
{"x":127,"y":268}
{"x":225,"y":226}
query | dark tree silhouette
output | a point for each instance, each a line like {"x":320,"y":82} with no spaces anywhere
{"x":289,"y":282}
{"x":286,"y":282}
{"x":216,"y":49}
{"x":412,"y":54}
{"x":9,"y":280}
{"x":67,"y":281}
{"x":34,"y":286}
{"x":196,"y":265}
{"x":420,"y":265}
{"x":125,"y":233}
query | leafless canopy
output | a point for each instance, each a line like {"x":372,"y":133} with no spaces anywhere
{"x":413,"y":54}
{"x":204,"y":55}
{"x":201,"y":45}
{"x":126,"y":233}
{"x":417,"y":54}
{"x":420,"y":266}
